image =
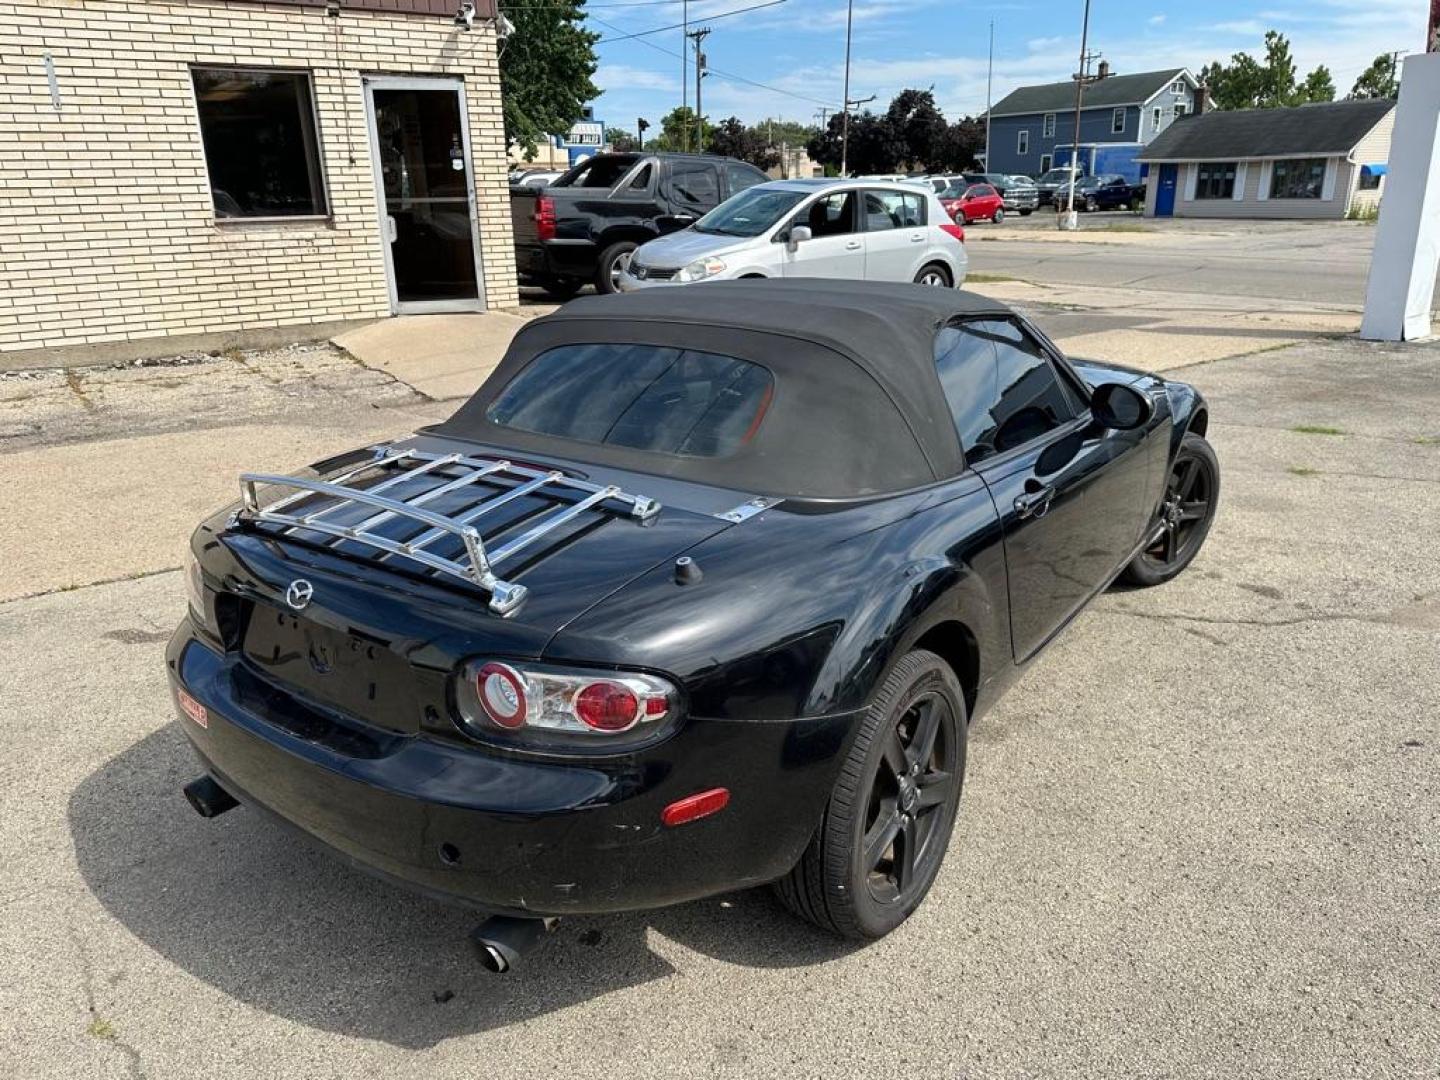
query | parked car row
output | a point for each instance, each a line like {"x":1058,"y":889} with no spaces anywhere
{"x":637,"y":221}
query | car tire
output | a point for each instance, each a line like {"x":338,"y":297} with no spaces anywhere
{"x":998,"y":216}
{"x":934,"y":275}
{"x":613,"y":260}
{"x":874,"y":814}
{"x":1180,"y":526}
{"x":1090,"y":204}
{"x":560,"y":288}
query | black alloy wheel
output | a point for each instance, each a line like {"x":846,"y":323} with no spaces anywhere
{"x":1091,"y":204}
{"x":613,"y":262}
{"x":1192,"y":494}
{"x":888,"y":822}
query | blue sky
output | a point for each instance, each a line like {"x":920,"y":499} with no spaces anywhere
{"x":797,"y":48}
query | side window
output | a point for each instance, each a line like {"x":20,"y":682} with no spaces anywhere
{"x":740,"y":177}
{"x":641,"y":182}
{"x":965,"y":362}
{"x":889,"y":210}
{"x":833,"y":215}
{"x":914,"y":212}
{"x":1001,"y":387}
{"x":1033,"y":400}
{"x":695,"y":184}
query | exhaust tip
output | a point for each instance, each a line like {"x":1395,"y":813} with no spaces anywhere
{"x":501,"y":940}
{"x":208,"y":798}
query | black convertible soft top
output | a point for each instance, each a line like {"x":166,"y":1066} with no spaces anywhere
{"x":858,"y":407}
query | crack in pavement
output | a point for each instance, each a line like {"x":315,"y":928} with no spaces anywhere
{"x":107,"y":1033}
{"x":1386,"y":619}
{"x":137,"y":575}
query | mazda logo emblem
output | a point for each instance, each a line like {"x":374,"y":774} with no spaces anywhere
{"x":299,"y":593}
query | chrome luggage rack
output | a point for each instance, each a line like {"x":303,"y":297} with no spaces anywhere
{"x":478,"y":568}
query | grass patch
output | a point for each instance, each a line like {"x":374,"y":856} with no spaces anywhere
{"x":988,"y":279}
{"x":1316,"y":429}
{"x":1302,"y":470}
{"x":1427,"y":440}
{"x":101,"y":1028}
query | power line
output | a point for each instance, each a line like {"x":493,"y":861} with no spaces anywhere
{"x":678,"y":26}
{"x":727,"y":76}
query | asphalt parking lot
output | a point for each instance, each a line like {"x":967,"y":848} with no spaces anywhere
{"x":1200,"y":838}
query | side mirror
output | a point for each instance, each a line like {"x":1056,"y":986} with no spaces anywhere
{"x":1120,"y":407}
{"x":798,"y":235}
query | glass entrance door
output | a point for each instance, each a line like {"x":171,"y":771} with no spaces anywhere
{"x":423,"y":178}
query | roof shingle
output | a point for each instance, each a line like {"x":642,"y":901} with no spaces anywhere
{"x":1056,"y":97}
{"x":1332,"y":127}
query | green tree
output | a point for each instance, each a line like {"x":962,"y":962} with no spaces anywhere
{"x":777,"y":133}
{"x":620,"y":140}
{"x":731,"y":138}
{"x":1250,"y":84}
{"x":960,"y":149}
{"x":677,"y":132}
{"x":1318,"y":86}
{"x":917,"y":127}
{"x":1379,"y":80}
{"x":545,"y":70}
{"x":1247,"y":83}
{"x":873,"y":147}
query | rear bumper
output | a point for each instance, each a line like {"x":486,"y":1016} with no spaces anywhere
{"x":575,"y":258}
{"x":505,"y":833}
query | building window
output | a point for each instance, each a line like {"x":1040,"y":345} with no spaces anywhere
{"x":1179,"y":109}
{"x":1297,"y":178}
{"x":1022,"y":142}
{"x":1117,"y":121}
{"x":1155,"y":118}
{"x":1044,"y":163}
{"x":261,"y":147}
{"x":1047,"y":131}
{"x":1369,"y":178}
{"x":1178,"y":86}
{"x":1215,"y":180}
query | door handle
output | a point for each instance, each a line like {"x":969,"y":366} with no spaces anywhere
{"x":917,"y":238}
{"x":1034,"y":502}
{"x":853,"y":245}
{"x":684,"y":219}
{"x":392,"y":232}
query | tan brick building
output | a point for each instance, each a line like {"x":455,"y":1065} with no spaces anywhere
{"x":195,"y":168}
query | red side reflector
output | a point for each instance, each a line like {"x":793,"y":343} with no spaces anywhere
{"x":692,"y":807}
{"x":195,"y":711}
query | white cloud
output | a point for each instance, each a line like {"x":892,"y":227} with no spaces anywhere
{"x":613,"y":78}
{"x":1044,"y":44}
{"x":1156,"y":20}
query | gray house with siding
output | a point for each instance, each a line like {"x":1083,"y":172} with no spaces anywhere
{"x":1028,"y":124}
{"x":1324,"y":160}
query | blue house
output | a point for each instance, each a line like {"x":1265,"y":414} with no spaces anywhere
{"x":1032,"y":129}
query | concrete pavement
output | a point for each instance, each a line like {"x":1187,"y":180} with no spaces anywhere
{"x":1200,"y":838}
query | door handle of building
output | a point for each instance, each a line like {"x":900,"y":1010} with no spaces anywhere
{"x":391,"y":232}
{"x":853,"y":245}
{"x":1034,"y":502}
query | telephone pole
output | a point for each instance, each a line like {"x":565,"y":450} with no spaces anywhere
{"x":684,"y":72}
{"x":845,"y":129}
{"x":845,"y":123}
{"x":989,"y":77}
{"x":699,"y":35}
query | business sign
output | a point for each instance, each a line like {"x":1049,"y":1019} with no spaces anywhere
{"x":592,"y":133}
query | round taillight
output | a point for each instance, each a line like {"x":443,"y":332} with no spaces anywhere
{"x":607,"y":706}
{"x":502,"y":694}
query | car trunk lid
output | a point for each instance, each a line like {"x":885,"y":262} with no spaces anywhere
{"x":373,"y":633}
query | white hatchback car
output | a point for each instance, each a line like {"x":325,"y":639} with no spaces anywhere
{"x":863,"y":229}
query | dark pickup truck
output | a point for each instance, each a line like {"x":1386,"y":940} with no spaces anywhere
{"x":582,"y":228}
{"x":1107,"y":191}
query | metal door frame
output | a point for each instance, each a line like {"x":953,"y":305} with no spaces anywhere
{"x":370,"y":83}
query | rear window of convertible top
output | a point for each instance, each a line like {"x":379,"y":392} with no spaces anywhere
{"x":646,"y":397}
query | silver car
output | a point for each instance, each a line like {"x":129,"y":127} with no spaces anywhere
{"x":875,"y":230}
{"x":1021,"y":195}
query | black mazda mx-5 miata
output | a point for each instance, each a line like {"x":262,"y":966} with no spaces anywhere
{"x":699,"y":591}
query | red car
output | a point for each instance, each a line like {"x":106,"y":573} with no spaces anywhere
{"x":966,"y":202}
